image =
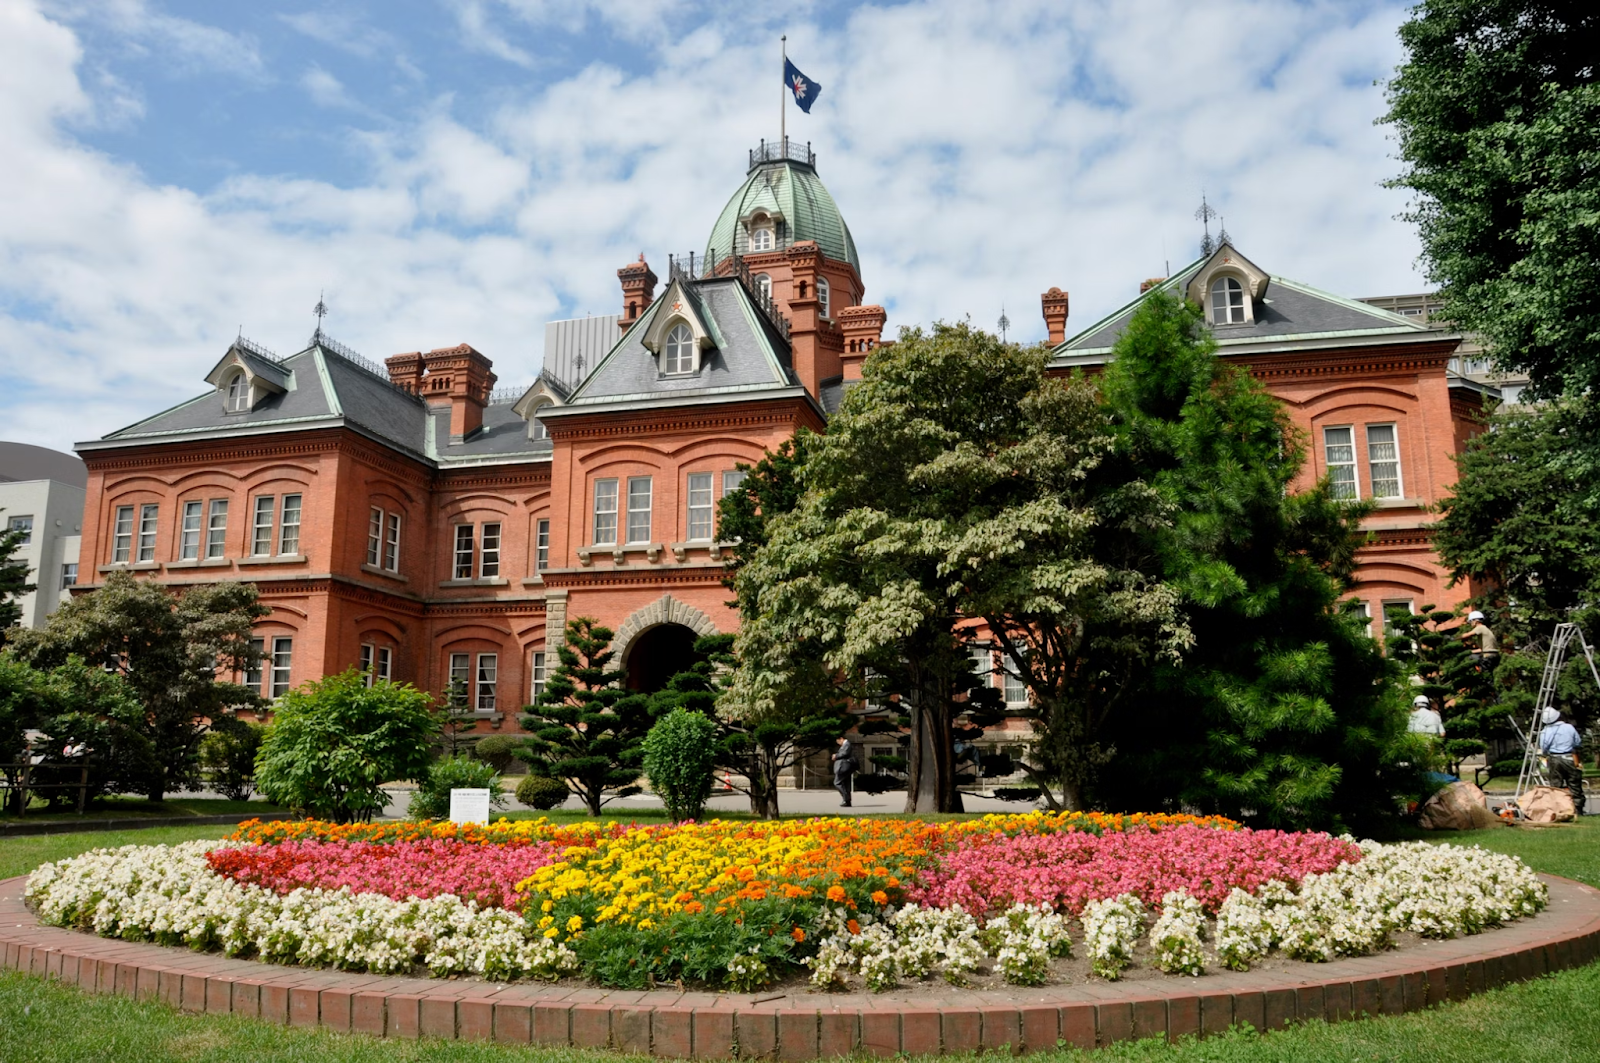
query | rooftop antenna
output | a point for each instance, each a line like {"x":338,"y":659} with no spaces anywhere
{"x":321,"y":310}
{"x":1004,"y":322}
{"x":1204,"y":215}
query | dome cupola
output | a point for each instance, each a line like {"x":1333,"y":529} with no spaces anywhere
{"x":781,"y":203}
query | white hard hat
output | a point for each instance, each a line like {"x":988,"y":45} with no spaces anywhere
{"x":1474,"y":615}
{"x":1549,"y":716}
{"x":1421,"y":701}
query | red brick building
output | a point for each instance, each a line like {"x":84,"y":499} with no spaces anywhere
{"x":412,"y":520}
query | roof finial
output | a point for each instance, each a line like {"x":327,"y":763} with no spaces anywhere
{"x":1204,"y":215}
{"x":1004,"y":322}
{"x":321,"y":310}
{"x":1222,"y":231}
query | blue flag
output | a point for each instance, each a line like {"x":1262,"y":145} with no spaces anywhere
{"x":805,"y":90}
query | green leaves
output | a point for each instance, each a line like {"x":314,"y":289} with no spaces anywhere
{"x":680,"y":753}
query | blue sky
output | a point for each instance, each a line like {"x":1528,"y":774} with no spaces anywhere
{"x":465,"y":170}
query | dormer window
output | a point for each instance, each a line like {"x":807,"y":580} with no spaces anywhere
{"x":677,"y":354}
{"x":537,"y":430}
{"x":761,"y":238}
{"x":238,"y":394}
{"x":822,"y":296}
{"x":763,"y":285}
{"x":1227,"y":302}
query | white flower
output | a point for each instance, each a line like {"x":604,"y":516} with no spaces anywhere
{"x":1177,"y":933}
{"x":1111,"y":928}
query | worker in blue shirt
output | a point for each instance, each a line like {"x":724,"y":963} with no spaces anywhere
{"x":1559,"y":742}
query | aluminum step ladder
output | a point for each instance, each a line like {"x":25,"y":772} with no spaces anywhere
{"x":1533,"y":770}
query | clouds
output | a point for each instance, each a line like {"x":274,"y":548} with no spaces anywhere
{"x":468,"y":170}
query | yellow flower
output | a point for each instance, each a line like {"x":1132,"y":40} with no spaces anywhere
{"x":575,"y":924}
{"x":548,"y":905}
{"x":552,"y":932}
{"x":547,"y":921}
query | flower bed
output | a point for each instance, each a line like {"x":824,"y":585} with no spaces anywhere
{"x":744,"y":904}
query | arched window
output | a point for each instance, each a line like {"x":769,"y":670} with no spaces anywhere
{"x":238,"y":393}
{"x":763,"y":285}
{"x":679,"y":350}
{"x":761,"y":238}
{"x":1227,"y":302}
{"x":822,"y":296}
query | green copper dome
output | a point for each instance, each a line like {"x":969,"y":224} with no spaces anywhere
{"x":791,"y":191}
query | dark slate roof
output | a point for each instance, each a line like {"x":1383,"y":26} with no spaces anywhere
{"x":1290,"y":311}
{"x":747,"y":353}
{"x":503,"y":434}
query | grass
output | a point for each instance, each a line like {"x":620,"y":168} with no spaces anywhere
{"x":1550,"y":1020}
{"x":136,"y":807}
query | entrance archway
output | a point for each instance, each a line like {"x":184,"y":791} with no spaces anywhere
{"x":657,"y":655}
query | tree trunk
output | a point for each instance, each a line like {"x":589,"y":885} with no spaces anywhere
{"x":930,"y":776}
{"x":1072,"y":796}
{"x":591,"y":797}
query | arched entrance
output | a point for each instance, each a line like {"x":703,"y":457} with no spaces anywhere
{"x":657,"y":655}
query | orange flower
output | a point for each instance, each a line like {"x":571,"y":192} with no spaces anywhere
{"x":694,"y":908}
{"x":798,"y":935}
{"x":880,"y":897}
{"x":836,"y":893}
{"x":893,"y":882}
{"x":855,"y":927}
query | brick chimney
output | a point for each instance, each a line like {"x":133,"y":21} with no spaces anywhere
{"x":863,"y":331}
{"x":814,"y":345}
{"x":460,"y":377}
{"x":638,"y":290}
{"x":405,"y":371}
{"x":1054,"y":303}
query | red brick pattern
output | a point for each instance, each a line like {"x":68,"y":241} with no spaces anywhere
{"x":804,"y":1026}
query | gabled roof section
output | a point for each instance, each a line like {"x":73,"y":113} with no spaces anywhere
{"x":746,"y":353}
{"x":259,"y":365}
{"x":1287,"y":313}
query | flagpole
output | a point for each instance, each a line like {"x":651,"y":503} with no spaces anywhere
{"x":783,"y":104}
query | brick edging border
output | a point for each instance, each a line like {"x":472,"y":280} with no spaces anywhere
{"x":803,"y":1026}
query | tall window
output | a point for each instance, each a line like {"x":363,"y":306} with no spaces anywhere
{"x":69,"y":575}
{"x":1393,"y":611}
{"x":368,"y":654}
{"x":238,"y":393}
{"x":537,"y":671}
{"x":1338,"y":446}
{"x":763,"y":285}
{"x":489,"y":555}
{"x":24,"y":525}
{"x":822,"y":296}
{"x":375,"y":537}
{"x":217,"y":528}
{"x":638,"y":509}
{"x":391,"y":544}
{"x":282,"y":653}
{"x":460,"y":679}
{"x":1227,"y":302}
{"x":122,"y":536}
{"x":731,"y":481}
{"x":385,"y":669}
{"x":261,"y":526}
{"x":679,"y":350}
{"x":148,"y":518}
{"x":1383,"y":461}
{"x":1362,"y":612}
{"x":982,"y":662}
{"x":605,"y":511}
{"x":1016,"y":691}
{"x":541,"y":558}
{"x":761,"y":238}
{"x":252,"y":672}
{"x":464,"y":544}
{"x":189,"y":532}
{"x":700,"y":506}
{"x":289,"y":525}
{"x":488,"y":676}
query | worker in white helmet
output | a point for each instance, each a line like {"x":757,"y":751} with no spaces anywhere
{"x":1424,"y":720}
{"x":1483,"y":643}
{"x":1559,"y":741}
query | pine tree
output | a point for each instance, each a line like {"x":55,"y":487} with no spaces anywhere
{"x":1429,"y":644}
{"x":1281,"y":711}
{"x":13,"y":581}
{"x":585,"y":728}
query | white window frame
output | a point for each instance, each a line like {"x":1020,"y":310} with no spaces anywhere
{"x":1013,"y":689}
{"x":385,"y":667}
{"x":368,"y":654}
{"x":763,"y":284}
{"x":489,"y":551}
{"x":217,"y":529}
{"x":466,"y":546}
{"x":149,"y":523}
{"x":23,"y":523}
{"x":605,"y":512}
{"x":641,"y":496}
{"x":824,"y":295}
{"x":701,"y":506}
{"x":488,"y":681}
{"x":253,"y":673}
{"x":375,"y":537}
{"x":238,"y":394}
{"x":1227,"y":301}
{"x":122,"y":535}
{"x":391,"y":542}
{"x":289,"y":514}
{"x":763,"y":238}
{"x":261,"y":530}
{"x":678,"y":350}
{"x":1359,"y":607}
{"x":536,"y":674}
{"x":189,"y":530}
{"x":1409,"y":604}
{"x":732,"y":480}
{"x":69,"y":574}
{"x":537,"y":430}
{"x":1339,"y":485}
{"x":541,"y":546}
{"x":282,"y":665}
{"x":458,"y":691}
{"x":1373,"y":462}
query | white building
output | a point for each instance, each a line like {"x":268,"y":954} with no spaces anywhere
{"x":42,"y":493}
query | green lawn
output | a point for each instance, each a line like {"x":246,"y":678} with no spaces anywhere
{"x":137,"y":807}
{"x":1550,"y":1020}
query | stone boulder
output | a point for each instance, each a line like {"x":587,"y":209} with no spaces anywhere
{"x":1459,"y":806}
{"x":1547,"y":804}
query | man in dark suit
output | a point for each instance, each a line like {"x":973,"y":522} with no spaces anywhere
{"x":844,"y":766}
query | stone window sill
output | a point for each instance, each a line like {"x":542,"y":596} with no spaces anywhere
{"x":1398,"y":503}
{"x":681,"y":550}
{"x":280,"y":559}
{"x":202,"y":562}
{"x":130,"y":566}
{"x":535,"y":580}
{"x":619,"y":554}
{"x":385,"y":573}
{"x":493,"y":581}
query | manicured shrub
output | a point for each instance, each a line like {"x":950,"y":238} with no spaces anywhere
{"x":497,"y":751}
{"x":679,"y":756}
{"x":335,"y":742}
{"x":432,"y":798}
{"x":541,"y":792}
